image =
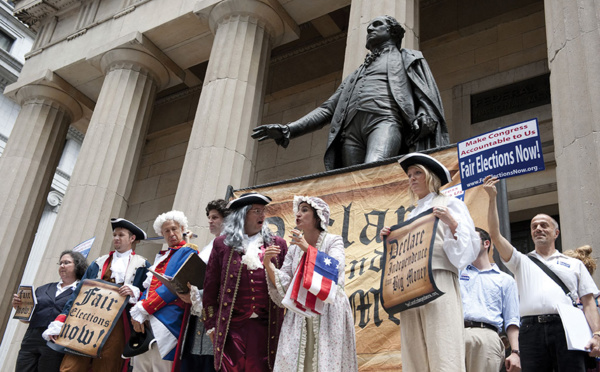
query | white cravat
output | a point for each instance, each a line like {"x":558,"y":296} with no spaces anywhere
{"x":119,"y":266}
{"x":251,"y":250}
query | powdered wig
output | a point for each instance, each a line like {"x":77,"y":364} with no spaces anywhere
{"x":396,"y":30}
{"x":176,"y":216}
{"x":233,"y":228}
{"x":433,"y":182}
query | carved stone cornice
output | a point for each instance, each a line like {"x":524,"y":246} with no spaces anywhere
{"x":31,"y":11}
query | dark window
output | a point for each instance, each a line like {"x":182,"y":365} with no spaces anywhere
{"x":6,"y":41}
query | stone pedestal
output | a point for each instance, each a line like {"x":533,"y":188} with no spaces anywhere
{"x":221,"y":151}
{"x":363,"y":11}
{"x":109,"y":156}
{"x":573,"y":35}
{"x":27,"y":166}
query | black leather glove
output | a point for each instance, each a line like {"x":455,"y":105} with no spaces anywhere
{"x":279,"y":133}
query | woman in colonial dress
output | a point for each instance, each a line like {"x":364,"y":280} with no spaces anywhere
{"x":432,"y":335}
{"x":324,"y":342}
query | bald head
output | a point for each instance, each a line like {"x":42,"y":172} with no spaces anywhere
{"x":544,"y":230}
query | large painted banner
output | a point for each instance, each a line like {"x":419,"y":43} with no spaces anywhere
{"x":91,"y":319}
{"x":407,"y":279}
{"x":362,"y":202}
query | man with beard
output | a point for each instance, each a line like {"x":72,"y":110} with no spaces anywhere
{"x":239,"y":316}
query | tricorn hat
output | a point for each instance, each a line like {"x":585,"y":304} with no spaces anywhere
{"x":121,"y":222}
{"x":138,"y":343}
{"x":249,"y":199}
{"x":428,"y":162}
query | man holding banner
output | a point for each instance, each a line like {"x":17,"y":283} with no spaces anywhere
{"x":432,"y":330}
{"x":542,"y":336}
{"x":121,"y":266}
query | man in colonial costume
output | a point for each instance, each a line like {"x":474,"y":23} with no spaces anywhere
{"x":389,"y":106}
{"x":161,"y":309}
{"x":241,"y":319}
{"x":121,"y":266}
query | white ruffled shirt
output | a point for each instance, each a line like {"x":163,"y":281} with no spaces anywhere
{"x":464,"y":249}
{"x":251,"y":251}
{"x":118,"y":266}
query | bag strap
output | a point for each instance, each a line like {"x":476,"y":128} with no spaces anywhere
{"x":554,"y":277}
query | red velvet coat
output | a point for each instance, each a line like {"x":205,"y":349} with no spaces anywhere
{"x":221,"y":286}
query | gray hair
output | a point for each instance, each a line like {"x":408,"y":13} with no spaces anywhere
{"x":233,"y":228}
{"x":176,"y":216}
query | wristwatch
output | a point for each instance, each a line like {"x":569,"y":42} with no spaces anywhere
{"x":596,"y":334}
{"x":515,"y":351}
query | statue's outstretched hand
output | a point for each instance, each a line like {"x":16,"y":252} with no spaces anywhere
{"x":278,"y":132}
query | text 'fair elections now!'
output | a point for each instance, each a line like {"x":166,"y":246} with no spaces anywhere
{"x":503,"y":153}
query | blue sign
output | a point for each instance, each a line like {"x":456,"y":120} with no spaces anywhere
{"x":505,"y":152}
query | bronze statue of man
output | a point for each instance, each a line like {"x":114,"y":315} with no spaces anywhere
{"x":389,"y":106}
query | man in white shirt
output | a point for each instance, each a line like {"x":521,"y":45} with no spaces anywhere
{"x":542,"y":338}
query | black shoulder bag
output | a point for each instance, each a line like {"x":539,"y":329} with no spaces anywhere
{"x":555,"y":277}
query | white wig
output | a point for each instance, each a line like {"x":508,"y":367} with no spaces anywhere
{"x":176,"y":216}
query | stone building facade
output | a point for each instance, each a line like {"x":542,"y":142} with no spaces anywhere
{"x":166,"y":93}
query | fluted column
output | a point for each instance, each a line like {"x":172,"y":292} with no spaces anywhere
{"x":27,"y":167}
{"x":363,"y":11}
{"x":106,"y":166}
{"x":220,"y":151}
{"x":573,"y":34}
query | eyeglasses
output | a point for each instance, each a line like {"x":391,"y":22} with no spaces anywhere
{"x":64,"y":263}
{"x":258,"y":211}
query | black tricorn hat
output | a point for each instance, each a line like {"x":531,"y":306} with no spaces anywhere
{"x":428,"y":162}
{"x":249,"y":199}
{"x":138,"y":343}
{"x":121,"y":222}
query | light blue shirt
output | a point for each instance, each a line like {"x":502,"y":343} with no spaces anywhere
{"x":489,"y":296}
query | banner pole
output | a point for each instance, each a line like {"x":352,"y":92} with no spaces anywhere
{"x":504,"y":217}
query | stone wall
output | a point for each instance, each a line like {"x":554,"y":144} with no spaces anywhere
{"x":162,"y":158}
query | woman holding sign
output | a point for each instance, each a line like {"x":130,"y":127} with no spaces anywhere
{"x":35,"y":355}
{"x":319,"y":334}
{"x":432,"y":334}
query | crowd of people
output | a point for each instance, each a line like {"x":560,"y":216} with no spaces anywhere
{"x":251,"y":315}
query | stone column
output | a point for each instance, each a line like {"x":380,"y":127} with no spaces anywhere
{"x":220,"y":151}
{"x":107,"y":163}
{"x":363,"y":11}
{"x":573,"y":35}
{"x":27,"y":166}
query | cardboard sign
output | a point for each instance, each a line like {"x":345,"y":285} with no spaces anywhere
{"x":505,"y":152}
{"x":407,"y":279}
{"x":28,"y":302}
{"x":91,"y":319}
